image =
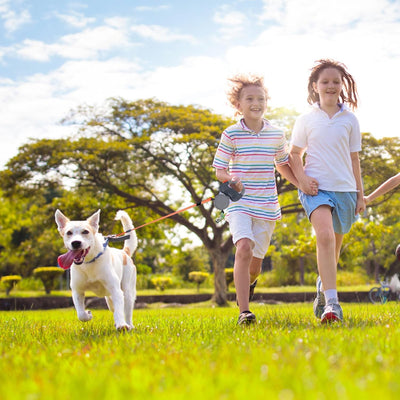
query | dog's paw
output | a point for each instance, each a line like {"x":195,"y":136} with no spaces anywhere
{"x":85,"y":316}
{"x":124,"y":328}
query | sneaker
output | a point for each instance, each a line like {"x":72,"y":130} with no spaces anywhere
{"x":246,"y":318}
{"x":319,"y":302}
{"x":252,"y":287}
{"x":332,"y":312}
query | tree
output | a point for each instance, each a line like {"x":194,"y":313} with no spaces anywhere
{"x":152,"y":158}
{"x":149,"y":154}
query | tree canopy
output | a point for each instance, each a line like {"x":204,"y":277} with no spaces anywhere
{"x":153,"y":158}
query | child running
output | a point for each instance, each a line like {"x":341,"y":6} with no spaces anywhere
{"x":330,"y":184}
{"x":386,"y":186}
{"x":246,"y":157}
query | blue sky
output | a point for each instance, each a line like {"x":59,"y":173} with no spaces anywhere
{"x":57,"y":55}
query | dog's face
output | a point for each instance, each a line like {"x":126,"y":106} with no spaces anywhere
{"x":79,"y":237}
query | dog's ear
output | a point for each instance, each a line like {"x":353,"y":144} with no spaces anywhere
{"x":94,"y":220}
{"x":61,"y":220}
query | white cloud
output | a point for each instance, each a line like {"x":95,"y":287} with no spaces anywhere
{"x":364,"y":35}
{"x":327,"y":18}
{"x":153,"y":8}
{"x":13,"y":19}
{"x":230,"y":23}
{"x":33,"y":108}
{"x":88,"y":44}
{"x":160,"y":34}
{"x":75,"y":19}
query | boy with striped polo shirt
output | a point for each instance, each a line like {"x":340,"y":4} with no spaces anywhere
{"x":246,"y":156}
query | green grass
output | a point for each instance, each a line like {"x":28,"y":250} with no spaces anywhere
{"x":200,"y":353}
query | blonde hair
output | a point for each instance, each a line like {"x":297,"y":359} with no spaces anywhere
{"x":240,"y":81}
{"x":348,"y":95}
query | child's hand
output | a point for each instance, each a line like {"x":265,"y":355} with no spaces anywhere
{"x":236,"y":184}
{"x":360,"y":206}
{"x":308,"y":185}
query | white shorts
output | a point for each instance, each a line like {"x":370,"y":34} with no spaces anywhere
{"x":259,"y":231}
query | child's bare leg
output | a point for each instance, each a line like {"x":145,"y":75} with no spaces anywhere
{"x":243,"y":258}
{"x":321,"y":219}
{"x":255,"y":268}
{"x":338,"y":245}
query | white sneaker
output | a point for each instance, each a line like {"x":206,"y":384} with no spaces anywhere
{"x":319,"y":302}
{"x":332,"y":312}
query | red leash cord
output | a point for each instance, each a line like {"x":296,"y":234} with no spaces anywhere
{"x":161,"y":218}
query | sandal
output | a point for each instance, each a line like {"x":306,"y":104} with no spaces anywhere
{"x":246,"y":318}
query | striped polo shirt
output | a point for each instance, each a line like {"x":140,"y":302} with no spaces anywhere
{"x":252,"y":157}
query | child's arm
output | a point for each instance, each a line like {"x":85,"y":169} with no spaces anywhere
{"x":306,"y":183}
{"x":355,"y":162}
{"x":386,"y":186}
{"x":288,"y":174}
{"x":223,"y":175}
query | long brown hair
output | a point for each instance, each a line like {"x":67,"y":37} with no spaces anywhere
{"x":349,"y":92}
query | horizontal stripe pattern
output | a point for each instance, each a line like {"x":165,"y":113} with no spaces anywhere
{"x":252,"y":157}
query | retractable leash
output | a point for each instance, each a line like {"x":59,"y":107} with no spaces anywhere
{"x":226,"y":193}
{"x":221,"y":201}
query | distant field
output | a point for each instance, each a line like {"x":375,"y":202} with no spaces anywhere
{"x":152,"y":292}
{"x":200,"y":353}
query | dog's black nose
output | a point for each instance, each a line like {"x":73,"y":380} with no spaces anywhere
{"x":76,"y":244}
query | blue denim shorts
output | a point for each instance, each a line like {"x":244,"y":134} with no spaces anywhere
{"x":343,"y":205}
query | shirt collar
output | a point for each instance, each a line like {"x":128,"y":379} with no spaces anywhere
{"x":343,"y":106}
{"x":244,"y":126}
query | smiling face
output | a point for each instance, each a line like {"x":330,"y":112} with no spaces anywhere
{"x":252,"y":103}
{"x":79,"y":238}
{"x":329,"y":86}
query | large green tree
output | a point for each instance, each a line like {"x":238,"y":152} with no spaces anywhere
{"x":154,"y":159}
{"x":153,"y":156}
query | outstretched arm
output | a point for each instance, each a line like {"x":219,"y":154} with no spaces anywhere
{"x":355,"y":161}
{"x":386,"y":186}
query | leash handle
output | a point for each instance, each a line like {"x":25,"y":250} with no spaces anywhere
{"x":226,"y":193}
{"x":227,"y":189}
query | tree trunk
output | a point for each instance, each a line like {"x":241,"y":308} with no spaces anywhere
{"x":301,"y":262}
{"x":219,"y":259}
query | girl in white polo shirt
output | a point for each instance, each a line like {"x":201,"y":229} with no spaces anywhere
{"x":330,"y":184}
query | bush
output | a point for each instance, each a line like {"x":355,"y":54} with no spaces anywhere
{"x":199,"y":277}
{"x":143,"y":279}
{"x":352,"y":278}
{"x":9,"y":282}
{"x":30,"y":283}
{"x":49,"y":277}
{"x":161,"y":282}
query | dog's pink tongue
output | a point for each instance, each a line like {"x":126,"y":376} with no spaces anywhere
{"x":65,"y":260}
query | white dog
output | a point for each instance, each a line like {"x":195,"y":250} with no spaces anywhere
{"x":104,"y":270}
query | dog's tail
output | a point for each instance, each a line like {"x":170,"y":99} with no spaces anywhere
{"x":130,"y":244}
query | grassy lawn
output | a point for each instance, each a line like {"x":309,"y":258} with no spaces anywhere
{"x":200,"y":353}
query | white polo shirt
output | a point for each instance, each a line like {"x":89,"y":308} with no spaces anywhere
{"x":328,"y":143}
